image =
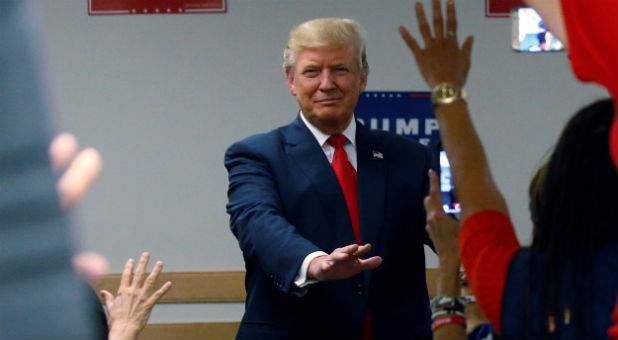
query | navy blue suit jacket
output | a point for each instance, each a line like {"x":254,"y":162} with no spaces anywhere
{"x":285,"y":202}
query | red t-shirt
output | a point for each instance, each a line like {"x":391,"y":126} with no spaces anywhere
{"x":592,"y":30}
{"x":487,"y":245}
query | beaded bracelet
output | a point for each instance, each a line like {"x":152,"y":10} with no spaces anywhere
{"x":447,"y":302}
{"x":442,"y":312}
{"x":449,"y":320}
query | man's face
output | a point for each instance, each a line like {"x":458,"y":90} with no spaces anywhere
{"x":327,"y":82}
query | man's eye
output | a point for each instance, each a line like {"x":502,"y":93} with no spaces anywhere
{"x":341,"y":70}
{"x":310,"y":73}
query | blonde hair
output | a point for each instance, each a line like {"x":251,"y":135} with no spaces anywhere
{"x":323,"y":32}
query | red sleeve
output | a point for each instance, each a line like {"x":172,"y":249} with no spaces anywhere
{"x":487,"y":244}
{"x":592,"y":30}
{"x":612,"y":332}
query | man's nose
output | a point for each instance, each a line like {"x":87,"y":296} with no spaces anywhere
{"x":327,"y":80}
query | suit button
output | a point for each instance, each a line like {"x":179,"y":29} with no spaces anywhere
{"x":360,"y":289}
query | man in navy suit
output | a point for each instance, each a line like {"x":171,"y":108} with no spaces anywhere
{"x":329,"y":215}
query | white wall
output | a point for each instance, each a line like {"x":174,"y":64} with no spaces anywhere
{"x":163,"y":96}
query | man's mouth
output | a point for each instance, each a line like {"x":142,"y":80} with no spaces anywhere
{"x":329,"y":101}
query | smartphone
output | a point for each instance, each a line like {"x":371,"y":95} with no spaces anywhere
{"x":529,"y":33}
{"x":449,"y":201}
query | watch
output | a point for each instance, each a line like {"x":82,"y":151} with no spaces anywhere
{"x":447,"y":93}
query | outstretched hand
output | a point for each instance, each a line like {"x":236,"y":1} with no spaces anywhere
{"x":77,"y":170}
{"x":342,"y":263}
{"x":442,"y":229}
{"x":442,"y":60}
{"x":130,"y":309}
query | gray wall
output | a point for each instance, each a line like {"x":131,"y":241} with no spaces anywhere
{"x":163,"y":96}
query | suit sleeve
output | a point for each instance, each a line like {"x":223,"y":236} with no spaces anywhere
{"x":257,"y":220}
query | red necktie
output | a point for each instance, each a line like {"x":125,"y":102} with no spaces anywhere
{"x":346,"y":175}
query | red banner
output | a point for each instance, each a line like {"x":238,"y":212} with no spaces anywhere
{"x":119,"y":7}
{"x":501,"y":8}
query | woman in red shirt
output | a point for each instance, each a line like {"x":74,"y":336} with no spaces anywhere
{"x":576,"y":214}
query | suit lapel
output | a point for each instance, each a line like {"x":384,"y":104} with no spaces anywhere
{"x":371,"y":183}
{"x":303,"y":149}
{"x":372,"y":175}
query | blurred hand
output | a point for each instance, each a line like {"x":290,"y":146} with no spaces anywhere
{"x":442,"y":229}
{"x":342,"y":263}
{"x":78,"y":170}
{"x":442,"y":60}
{"x":129,"y":310}
{"x":92,"y":266}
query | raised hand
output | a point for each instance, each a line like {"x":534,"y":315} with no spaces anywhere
{"x":342,"y":263}
{"x":442,"y":60}
{"x":78,"y":171}
{"x":442,"y":229}
{"x":129,"y":310}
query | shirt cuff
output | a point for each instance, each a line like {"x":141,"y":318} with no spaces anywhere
{"x":300,"y":280}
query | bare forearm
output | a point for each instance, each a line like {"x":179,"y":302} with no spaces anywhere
{"x":472,"y":178}
{"x":448,"y":277}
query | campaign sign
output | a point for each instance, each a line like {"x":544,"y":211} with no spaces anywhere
{"x":119,"y":7}
{"x":409,"y":114}
{"x":501,"y":8}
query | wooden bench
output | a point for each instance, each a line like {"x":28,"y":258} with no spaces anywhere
{"x":204,"y":287}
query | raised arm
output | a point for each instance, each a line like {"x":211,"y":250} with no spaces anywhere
{"x":443,"y":61}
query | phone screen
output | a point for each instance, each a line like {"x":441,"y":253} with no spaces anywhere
{"x":449,"y":202}
{"x":530,"y":34}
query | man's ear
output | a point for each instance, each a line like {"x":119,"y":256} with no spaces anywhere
{"x":363,"y":82}
{"x":289,"y":76}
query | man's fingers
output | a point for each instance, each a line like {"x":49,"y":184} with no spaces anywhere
{"x":125,"y":278}
{"x":362,"y":250}
{"x":138,"y":278}
{"x":409,"y":40}
{"x":371,"y":263}
{"x":61,"y":150}
{"x":451,"y":19}
{"x":351,"y":249}
{"x":339,"y":256}
{"x":467,"y":46}
{"x":154,"y":274}
{"x":434,"y":200}
{"x":152,"y":300}
{"x":107,"y":297}
{"x":438,"y":22}
{"x":423,"y":25}
{"x":79,"y":177}
{"x":434,"y":183}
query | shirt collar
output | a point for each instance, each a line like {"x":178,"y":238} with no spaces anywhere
{"x":321,"y":137}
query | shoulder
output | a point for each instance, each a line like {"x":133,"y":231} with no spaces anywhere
{"x":262,"y":143}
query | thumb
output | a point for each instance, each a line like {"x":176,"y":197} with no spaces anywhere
{"x":108,"y":297}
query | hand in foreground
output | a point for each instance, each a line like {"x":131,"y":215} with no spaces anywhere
{"x":342,"y":263}
{"x":442,"y":229}
{"x":442,"y":60}
{"x":129,"y":311}
{"x":80,"y":169}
